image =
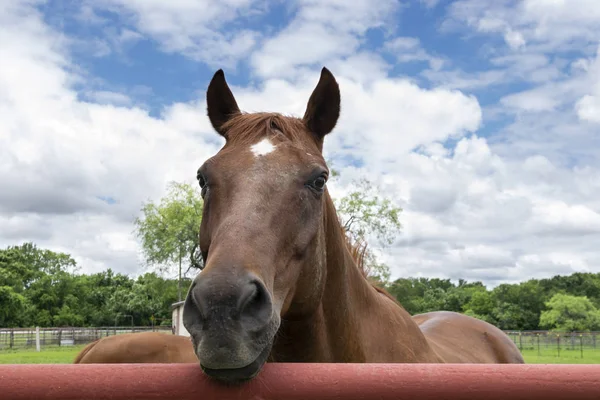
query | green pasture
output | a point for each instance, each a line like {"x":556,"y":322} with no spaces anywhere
{"x":551,"y":356}
{"x":66,"y":355}
{"x":49,"y":355}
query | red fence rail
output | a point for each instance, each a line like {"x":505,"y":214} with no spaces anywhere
{"x":303,"y":381}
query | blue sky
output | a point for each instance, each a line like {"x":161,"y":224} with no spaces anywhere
{"x":155,"y":78}
{"x":479,"y":119}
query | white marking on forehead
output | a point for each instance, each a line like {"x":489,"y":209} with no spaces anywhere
{"x":261,"y":148}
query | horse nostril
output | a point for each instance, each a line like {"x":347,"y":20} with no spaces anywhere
{"x":255,"y":306}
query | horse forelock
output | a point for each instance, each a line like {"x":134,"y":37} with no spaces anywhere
{"x":249,"y":128}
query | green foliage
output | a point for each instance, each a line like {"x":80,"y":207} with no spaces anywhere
{"x":40,"y":288}
{"x":364,"y":212}
{"x":481,"y":305}
{"x":419,"y":295}
{"x":518,"y":305}
{"x":11,"y":304}
{"x":570,"y":313}
{"x":169,"y":230}
{"x":555,"y":303}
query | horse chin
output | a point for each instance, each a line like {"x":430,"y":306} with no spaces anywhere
{"x":238,"y":376}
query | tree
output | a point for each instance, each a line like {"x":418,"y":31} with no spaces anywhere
{"x":481,"y":305}
{"x":364,"y":212}
{"x":34,"y":284}
{"x":169,"y":230}
{"x":12,"y":306}
{"x":570,"y":313}
{"x":518,"y":306}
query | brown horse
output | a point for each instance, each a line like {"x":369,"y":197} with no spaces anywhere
{"x":143,"y":347}
{"x":279,"y":282}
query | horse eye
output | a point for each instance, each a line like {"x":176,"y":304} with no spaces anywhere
{"x":201,"y":181}
{"x":319,"y":183}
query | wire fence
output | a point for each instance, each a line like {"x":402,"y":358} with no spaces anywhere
{"x":22,"y":338}
{"x":584,"y":345}
{"x":559,"y":344}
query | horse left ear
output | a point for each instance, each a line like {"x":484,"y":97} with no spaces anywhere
{"x":220,"y":102}
{"x":323,"y":108}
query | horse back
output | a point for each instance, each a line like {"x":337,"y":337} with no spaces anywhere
{"x":459,"y":338}
{"x":85,"y":351}
{"x":143,"y":347}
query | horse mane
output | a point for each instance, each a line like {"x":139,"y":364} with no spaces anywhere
{"x":358,"y":250}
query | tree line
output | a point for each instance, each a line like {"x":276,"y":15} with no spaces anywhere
{"x":562,"y":303}
{"x":39,"y":287}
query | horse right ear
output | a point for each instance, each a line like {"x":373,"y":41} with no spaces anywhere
{"x":220,"y":103}
{"x":323,"y":108}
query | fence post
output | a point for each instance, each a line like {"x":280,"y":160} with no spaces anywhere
{"x":581,"y":344}
{"x":558,"y":344}
{"x":37,"y":338}
{"x":12,"y":338}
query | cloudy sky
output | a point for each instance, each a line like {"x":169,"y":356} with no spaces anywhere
{"x":480,"y":119}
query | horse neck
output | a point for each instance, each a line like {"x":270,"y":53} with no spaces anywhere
{"x":347,"y":294}
{"x":342,"y":327}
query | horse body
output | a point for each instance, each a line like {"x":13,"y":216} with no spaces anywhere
{"x":143,"y":347}
{"x":459,"y":338}
{"x":280,"y":281}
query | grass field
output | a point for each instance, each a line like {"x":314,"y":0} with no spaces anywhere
{"x":53,"y":355}
{"x":550,"y":356}
{"x":66,"y":355}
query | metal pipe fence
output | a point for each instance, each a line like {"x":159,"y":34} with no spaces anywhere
{"x":300,"y":381}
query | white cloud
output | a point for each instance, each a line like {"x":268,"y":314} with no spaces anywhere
{"x":320,"y":32}
{"x":408,"y":49}
{"x":550,"y":52}
{"x":518,"y":205}
{"x":588,"y":106}
{"x":514,"y":39}
{"x":108,"y":97}
{"x":198,"y":29}
{"x":554,"y":25}
{"x":478,"y":215}
{"x":60,"y":156}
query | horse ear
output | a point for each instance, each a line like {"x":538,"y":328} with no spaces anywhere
{"x":220,"y":103}
{"x":323,"y":108}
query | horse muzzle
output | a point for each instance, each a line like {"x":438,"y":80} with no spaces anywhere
{"x":232,"y":324}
